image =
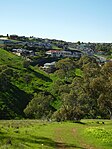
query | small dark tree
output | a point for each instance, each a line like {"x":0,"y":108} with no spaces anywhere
{"x":40,"y":106}
{"x":26,"y":64}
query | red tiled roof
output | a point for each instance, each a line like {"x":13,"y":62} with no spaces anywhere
{"x":52,"y":51}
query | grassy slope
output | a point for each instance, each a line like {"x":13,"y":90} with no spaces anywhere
{"x":17,"y":95}
{"x":38,"y":77}
{"x":32,"y":134}
{"x":7,"y":58}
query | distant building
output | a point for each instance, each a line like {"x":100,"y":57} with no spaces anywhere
{"x":23,"y":52}
{"x":13,"y":37}
{"x":49,"y":67}
{"x":57,"y":53}
{"x":101,"y":59}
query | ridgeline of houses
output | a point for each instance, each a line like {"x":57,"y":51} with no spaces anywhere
{"x":28,"y":46}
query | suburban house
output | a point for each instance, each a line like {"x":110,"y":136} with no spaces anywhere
{"x":23,"y":52}
{"x":88,"y":51}
{"x":100,"y":59}
{"x":57,"y":53}
{"x":49,"y":67}
{"x":17,"y":51}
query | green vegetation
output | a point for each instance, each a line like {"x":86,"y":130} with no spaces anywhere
{"x":105,"y":48}
{"x":59,"y":102}
{"x":100,"y":134}
{"x":9,"y":59}
{"x":18,"y":82}
{"x":33,"y":134}
{"x":55,"y":47}
{"x":74,"y":91}
{"x":78,"y":72}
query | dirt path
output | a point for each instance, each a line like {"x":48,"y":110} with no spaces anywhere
{"x":59,"y":139}
{"x":81,"y":142}
{"x":62,"y":144}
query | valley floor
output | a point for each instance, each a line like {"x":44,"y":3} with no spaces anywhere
{"x":34,"y":134}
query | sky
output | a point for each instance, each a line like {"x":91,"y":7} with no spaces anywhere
{"x":69,"y":20}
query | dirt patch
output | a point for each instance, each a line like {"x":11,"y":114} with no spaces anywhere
{"x":59,"y":139}
{"x":61,"y":143}
{"x":80,"y":141}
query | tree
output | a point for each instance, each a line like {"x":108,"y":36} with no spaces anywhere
{"x":27,"y":78}
{"x":98,"y":85}
{"x":40,"y":106}
{"x":26,"y":64}
{"x":73,"y":105}
{"x":78,"y":42}
{"x":105,"y":97}
{"x":66,"y":68}
{"x":5,"y":77}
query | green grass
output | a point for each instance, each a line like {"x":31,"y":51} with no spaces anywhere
{"x":7,"y":58}
{"x":78,"y":72}
{"x":34,"y":134}
{"x":55,"y":47}
{"x":99,"y":133}
{"x":39,"y":79}
{"x":18,"y":88}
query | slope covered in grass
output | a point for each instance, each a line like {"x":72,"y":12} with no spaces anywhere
{"x":7,"y":58}
{"x":23,"y":77}
{"x":18,"y":84}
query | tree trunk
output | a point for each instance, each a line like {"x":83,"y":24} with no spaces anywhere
{"x":110,"y":112}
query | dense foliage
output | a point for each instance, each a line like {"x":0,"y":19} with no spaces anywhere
{"x":77,"y":89}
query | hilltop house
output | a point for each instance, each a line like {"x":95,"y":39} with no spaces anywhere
{"x":13,"y":37}
{"x":57,"y":53}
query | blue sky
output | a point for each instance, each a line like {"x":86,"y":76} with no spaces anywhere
{"x":70,"y":20}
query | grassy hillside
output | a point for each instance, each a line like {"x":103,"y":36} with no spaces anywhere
{"x":37,"y":77}
{"x":12,"y":102}
{"x":18,"y":84}
{"x":74,"y":91}
{"x":7,"y":58}
{"x":33,"y":134}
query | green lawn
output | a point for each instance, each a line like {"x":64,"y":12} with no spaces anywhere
{"x":33,"y":134}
